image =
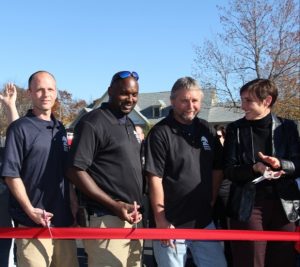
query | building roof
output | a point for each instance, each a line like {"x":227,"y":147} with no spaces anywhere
{"x":217,"y":114}
{"x":143,"y":112}
{"x":210,"y":110}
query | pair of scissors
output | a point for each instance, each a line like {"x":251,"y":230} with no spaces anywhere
{"x":48,"y":223}
{"x":135,"y":214}
{"x":268,"y":174}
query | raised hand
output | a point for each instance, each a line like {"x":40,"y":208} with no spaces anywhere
{"x":9,"y":96}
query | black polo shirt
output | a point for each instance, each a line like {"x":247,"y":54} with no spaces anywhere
{"x":107,"y":148}
{"x":36,"y":151}
{"x":184,"y":157}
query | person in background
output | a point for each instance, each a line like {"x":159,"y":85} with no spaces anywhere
{"x":219,"y":211}
{"x":221,"y":131}
{"x":33,"y":167}
{"x":297,"y":244}
{"x":140,"y":133}
{"x":8,"y":100}
{"x":225,"y":185}
{"x":69,"y":138}
{"x":141,"y":137}
{"x":262,"y":144}
{"x":183,"y":161}
{"x":105,"y":165}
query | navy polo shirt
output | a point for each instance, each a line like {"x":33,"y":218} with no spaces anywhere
{"x":184,"y":158}
{"x":106,"y":146}
{"x":36,"y":151}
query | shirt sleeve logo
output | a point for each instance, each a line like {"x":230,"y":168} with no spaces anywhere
{"x":205,"y":143}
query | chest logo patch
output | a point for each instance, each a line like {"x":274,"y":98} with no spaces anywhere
{"x":205,"y":143}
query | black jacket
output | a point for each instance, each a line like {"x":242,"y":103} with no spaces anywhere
{"x":239,"y":157}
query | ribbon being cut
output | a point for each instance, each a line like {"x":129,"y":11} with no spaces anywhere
{"x":142,"y":233}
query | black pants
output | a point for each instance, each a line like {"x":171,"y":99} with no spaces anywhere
{"x":266,"y":215}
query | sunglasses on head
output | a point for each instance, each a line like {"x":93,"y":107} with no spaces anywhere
{"x":124,"y":75}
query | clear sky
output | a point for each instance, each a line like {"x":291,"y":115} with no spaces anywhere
{"x":84,"y":42}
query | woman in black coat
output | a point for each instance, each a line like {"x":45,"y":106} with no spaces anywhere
{"x":255,"y":145}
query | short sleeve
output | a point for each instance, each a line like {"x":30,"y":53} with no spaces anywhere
{"x":156,"y":152}
{"x":13,"y":153}
{"x":83,"y":146}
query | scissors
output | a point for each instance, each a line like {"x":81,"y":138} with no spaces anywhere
{"x":48,"y":223}
{"x":268,"y":174}
{"x":135,"y":213}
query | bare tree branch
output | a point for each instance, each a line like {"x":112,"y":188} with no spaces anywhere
{"x":260,"y":39}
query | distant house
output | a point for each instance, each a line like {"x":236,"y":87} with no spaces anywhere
{"x":152,"y":107}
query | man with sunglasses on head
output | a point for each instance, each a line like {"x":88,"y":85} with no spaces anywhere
{"x":105,"y":166}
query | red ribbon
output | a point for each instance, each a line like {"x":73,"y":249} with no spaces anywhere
{"x":297,"y":244}
{"x":149,"y":233}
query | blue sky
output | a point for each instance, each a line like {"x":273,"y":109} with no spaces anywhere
{"x":83,"y":43}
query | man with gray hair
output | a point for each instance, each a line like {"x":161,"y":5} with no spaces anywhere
{"x":183,"y":161}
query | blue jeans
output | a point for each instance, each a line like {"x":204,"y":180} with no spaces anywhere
{"x":205,"y":253}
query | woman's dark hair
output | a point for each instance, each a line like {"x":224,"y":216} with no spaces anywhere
{"x":261,"y":88}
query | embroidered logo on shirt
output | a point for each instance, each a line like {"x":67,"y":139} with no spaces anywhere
{"x":205,"y":143}
{"x":65,"y":144}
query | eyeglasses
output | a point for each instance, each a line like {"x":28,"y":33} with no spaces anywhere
{"x":123,"y":75}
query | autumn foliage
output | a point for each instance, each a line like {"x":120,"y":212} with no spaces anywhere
{"x":65,"y":109}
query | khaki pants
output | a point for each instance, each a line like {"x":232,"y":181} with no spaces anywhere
{"x":46,"y":253}
{"x":65,"y":253}
{"x":112,"y":252}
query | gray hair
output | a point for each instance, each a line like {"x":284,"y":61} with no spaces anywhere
{"x":185,"y":83}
